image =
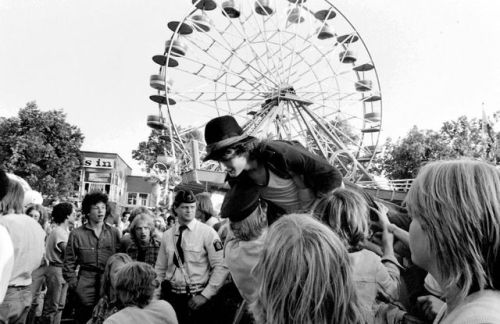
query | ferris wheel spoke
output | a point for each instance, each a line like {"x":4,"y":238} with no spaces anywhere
{"x":217,"y":81}
{"x":234,"y":53}
{"x":224,"y":67}
{"x":256,"y":56}
{"x":263,"y":34}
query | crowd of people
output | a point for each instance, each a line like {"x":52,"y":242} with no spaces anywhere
{"x":294,"y":244}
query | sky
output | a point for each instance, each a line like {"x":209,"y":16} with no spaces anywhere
{"x":436,"y":60}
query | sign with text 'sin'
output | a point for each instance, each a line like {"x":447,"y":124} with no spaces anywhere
{"x":92,"y":162}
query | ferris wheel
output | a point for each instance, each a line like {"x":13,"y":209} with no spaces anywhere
{"x":285,"y":69}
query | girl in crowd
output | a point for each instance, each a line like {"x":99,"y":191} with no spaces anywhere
{"x":304,"y":276}
{"x":135,"y":286}
{"x":38,"y":213}
{"x":108,"y":304}
{"x":205,"y":210}
{"x":346,"y":213}
{"x":455,"y":236}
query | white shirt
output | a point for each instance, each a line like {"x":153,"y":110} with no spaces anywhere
{"x":156,"y":312}
{"x":477,"y":308}
{"x":28,"y":238}
{"x":6,"y":260}
{"x":241,"y":257}
{"x":203,"y":259}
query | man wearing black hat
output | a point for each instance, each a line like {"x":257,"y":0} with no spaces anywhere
{"x":190,"y":263}
{"x":289,"y":177}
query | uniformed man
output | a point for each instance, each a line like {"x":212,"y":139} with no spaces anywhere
{"x":190,"y":263}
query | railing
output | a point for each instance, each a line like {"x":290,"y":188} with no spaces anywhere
{"x":402,"y":185}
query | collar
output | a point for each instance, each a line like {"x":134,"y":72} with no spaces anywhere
{"x":105,"y":226}
{"x":190,"y":225}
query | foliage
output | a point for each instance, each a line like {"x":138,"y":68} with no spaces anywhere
{"x":41,"y":147}
{"x":160,"y":143}
{"x":471,"y":138}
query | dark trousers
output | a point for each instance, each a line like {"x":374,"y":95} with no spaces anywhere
{"x":185,"y":315}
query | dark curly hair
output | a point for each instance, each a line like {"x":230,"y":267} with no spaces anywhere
{"x":93,"y":198}
{"x":136,"y":284}
{"x":61,"y":211}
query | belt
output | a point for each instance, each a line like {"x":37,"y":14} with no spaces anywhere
{"x":193,"y":289}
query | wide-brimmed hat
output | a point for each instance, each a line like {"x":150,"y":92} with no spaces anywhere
{"x":220,"y":133}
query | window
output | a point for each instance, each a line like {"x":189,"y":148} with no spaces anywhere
{"x":143,"y":199}
{"x":132,"y":198}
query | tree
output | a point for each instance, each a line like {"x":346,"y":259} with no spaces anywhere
{"x":404,"y":158}
{"x":160,"y":143}
{"x":41,"y":147}
{"x":473,"y":138}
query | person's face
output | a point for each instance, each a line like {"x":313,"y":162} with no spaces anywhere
{"x":199,"y":215}
{"x":35,"y":214}
{"x":113,"y":273}
{"x":419,"y":245}
{"x":186,"y":212}
{"x":97,"y":212}
{"x":125,"y":218}
{"x":235,"y":165}
{"x":142,"y":231}
{"x":72,"y":217}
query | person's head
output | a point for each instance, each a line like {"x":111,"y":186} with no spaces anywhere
{"x":62,"y":212}
{"x":12,"y":202}
{"x":94,"y":206}
{"x":304,"y":275}
{"x":37,"y":212}
{"x":346,"y":212}
{"x":125,"y":216}
{"x":246,"y":212}
{"x":184,"y":206}
{"x":204,"y":207}
{"x":110,"y":276}
{"x":170,"y":221}
{"x":136,"y":284}
{"x":137,"y":211}
{"x":4,"y":184}
{"x":228,"y":144}
{"x":141,"y":228}
{"x":455,"y":229}
{"x":111,"y":215}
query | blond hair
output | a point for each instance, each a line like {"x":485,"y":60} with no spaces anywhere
{"x":304,"y":275}
{"x":457,"y":204}
{"x":346,"y":212}
{"x":252,"y":226}
{"x":12,"y":202}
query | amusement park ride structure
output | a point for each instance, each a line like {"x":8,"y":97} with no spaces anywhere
{"x":285,"y":69}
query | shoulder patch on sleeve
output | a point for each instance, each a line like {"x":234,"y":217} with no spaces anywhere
{"x":218,"y":245}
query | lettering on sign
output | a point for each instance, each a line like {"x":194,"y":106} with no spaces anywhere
{"x":98,"y":163}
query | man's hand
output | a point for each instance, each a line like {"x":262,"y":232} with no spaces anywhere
{"x":197,"y":301}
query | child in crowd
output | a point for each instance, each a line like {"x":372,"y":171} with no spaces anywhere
{"x":135,"y":286}
{"x":455,"y":236}
{"x":109,"y":304}
{"x":304,"y":276}
{"x":346,"y":213}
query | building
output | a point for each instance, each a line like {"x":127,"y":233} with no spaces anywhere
{"x":109,"y":173}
